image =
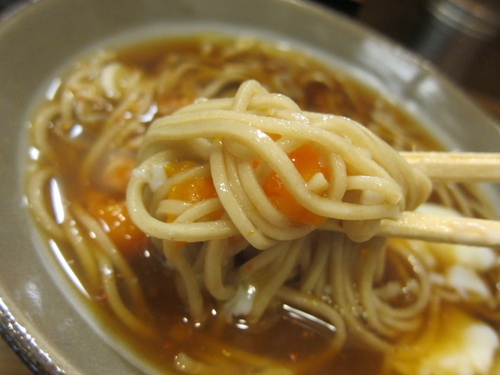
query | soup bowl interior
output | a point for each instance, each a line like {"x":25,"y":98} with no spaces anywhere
{"x":40,"y":313}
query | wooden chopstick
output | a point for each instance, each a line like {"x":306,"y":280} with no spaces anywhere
{"x":435,"y":228}
{"x":447,"y":229}
{"x":457,"y":166}
{"x":444,"y":167}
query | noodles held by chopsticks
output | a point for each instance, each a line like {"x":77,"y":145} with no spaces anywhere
{"x":241,"y":143}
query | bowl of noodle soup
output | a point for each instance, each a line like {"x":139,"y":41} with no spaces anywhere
{"x":135,"y":240}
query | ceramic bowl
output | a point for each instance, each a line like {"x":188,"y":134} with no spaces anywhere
{"x":39,"y":314}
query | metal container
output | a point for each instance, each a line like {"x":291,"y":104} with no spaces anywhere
{"x":455,"y":32}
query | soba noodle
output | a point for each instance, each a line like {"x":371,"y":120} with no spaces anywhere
{"x":223,"y":140}
{"x":227,"y":270}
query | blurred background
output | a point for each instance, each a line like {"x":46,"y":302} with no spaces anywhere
{"x":461,"y":37}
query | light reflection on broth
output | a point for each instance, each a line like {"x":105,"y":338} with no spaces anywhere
{"x":88,"y":136}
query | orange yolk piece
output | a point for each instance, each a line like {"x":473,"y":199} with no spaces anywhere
{"x":176,"y":167}
{"x":114,"y":218}
{"x":308,"y":160}
{"x":192,"y":191}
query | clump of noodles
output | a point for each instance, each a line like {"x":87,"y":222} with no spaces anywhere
{"x":238,"y":248}
{"x":225,"y":138}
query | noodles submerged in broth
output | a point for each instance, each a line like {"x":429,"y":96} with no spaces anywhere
{"x":212,"y":262}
